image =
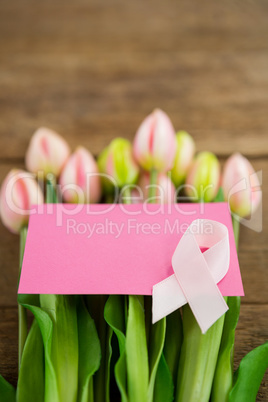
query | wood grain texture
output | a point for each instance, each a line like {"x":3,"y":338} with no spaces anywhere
{"x":93,"y":70}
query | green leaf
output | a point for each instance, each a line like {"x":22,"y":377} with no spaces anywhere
{"x":223,"y":378}
{"x":157,"y":340}
{"x":164,"y":388}
{"x":31,"y":382}
{"x":108,"y":363}
{"x":29,"y":299}
{"x":173,"y":342}
{"x":7,"y":392}
{"x":120,"y":372}
{"x":64,"y":351}
{"x":95,"y":304}
{"x":136,"y":351}
{"x":249,"y":375}
{"x":198,"y":359}
{"x":46,"y":327}
{"x":89,"y":352}
{"x":114,"y":315}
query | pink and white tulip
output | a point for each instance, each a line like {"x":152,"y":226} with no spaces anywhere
{"x":183,"y":159}
{"x":79,"y":180}
{"x":47,"y":152}
{"x":241,"y":185}
{"x":165,"y":190}
{"x":203,"y":178}
{"x":19,"y":192}
{"x":155,"y":142}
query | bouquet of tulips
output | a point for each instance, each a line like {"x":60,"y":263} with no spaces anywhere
{"x":105,"y":348}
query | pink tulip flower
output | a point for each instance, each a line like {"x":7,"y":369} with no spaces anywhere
{"x":165,"y":190}
{"x":155,"y":143}
{"x":19,"y":192}
{"x":47,"y":152}
{"x":203,"y":178}
{"x":241,"y":185}
{"x":79,"y":180}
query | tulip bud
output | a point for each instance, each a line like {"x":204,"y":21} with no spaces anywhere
{"x":241,"y":185}
{"x":19,"y":192}
{"x":155,"y":143}
{"x":203,"y":177}
{"x":117,"y":162}
{"x":165,"y":190}
{"x":79,"y":180}
{"x":47,"y":152}
{"x":183,"y":159}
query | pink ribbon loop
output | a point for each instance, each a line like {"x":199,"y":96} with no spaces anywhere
{"x":196,"y":274}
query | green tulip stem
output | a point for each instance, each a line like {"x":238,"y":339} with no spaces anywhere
{"x":223,"y":378}
{"x":51,"y":191}
{"x":64,"y":339}
{"x":151,"y":200}
{"x":127,"y":195}
{"x":199,"y":355}
{"x":137,"y":359}
{"x":96,"y":308}
{"x":22,"y":313}
{"x":152,"y":189}
{"x":126,"y":200}
{"x":198,"y":359}
{"x":236,"y":228}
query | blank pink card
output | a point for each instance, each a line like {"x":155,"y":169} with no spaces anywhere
{"x":113,"y":249}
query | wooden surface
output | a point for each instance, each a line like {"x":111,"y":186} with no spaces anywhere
{"x":92,"y":70}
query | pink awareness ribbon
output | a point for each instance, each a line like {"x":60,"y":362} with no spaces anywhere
{"x":196,"y":274}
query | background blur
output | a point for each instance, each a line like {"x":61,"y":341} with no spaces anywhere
{"x":92,"y":70}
